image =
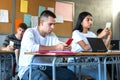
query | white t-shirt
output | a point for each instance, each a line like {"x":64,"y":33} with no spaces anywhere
{"x":78,"y":36}
{"x":30,"y":43}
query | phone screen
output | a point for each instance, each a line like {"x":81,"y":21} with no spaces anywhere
{"x":108,"y":25}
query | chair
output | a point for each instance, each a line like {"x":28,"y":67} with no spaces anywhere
{"x":15,"y":66}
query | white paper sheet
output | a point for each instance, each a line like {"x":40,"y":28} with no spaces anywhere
{"x":4,"y":16}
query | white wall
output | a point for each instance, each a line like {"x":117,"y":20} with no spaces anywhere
{"x":116,"y":19}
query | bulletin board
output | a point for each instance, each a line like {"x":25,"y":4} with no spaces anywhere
{"x":5,"y":28}
{"x":33,"y":6}
{"x":64,"y":29}
{"x":64,"y":11}
{"x":61,"y":29}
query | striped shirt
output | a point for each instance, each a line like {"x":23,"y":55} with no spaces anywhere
{"x":12,"y":37}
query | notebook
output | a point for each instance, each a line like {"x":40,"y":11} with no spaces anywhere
{"x":97,"y":45}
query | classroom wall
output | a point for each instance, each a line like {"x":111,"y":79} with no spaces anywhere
{"x":101,"y":13}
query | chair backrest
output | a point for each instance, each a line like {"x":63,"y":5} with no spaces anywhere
{"x":17,"y":53}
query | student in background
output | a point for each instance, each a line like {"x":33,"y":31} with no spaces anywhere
{"x":12,"y":42}
{"x":107,"y":39}
{"x":80,"y":43}
{"x":42,"y":38}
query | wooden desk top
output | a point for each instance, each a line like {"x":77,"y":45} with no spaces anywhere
{"x":6,"y":52}
{"x":74,"y":54}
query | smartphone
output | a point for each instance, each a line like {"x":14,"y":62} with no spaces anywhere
{"x":108,"y":25}
{"x":11,"y":43}
{"x":69,"y":41}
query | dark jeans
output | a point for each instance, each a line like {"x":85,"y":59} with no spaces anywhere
{"x":36,"y":75}
{"x":61,"y":74}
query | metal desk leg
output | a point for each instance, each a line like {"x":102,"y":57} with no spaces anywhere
{"x":99,"y":68}
{"x":54,"y":69}
{"x":79,"y":69}
{"x":112,"y":71}
{"x":79,"y":74}
{"x":117,"y":71}
{"x":30,"y":72}
{"x":105,"y":78}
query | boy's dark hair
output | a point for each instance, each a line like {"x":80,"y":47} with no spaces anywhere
{"x":23,"y":26}
{"x":99,"y":31}
{"x":47,"y":13}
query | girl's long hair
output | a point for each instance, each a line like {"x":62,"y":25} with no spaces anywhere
{"x":80,"y":19}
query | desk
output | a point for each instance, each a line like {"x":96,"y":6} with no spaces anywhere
{"x":4,"y":57}
{"x":98,"y":55}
